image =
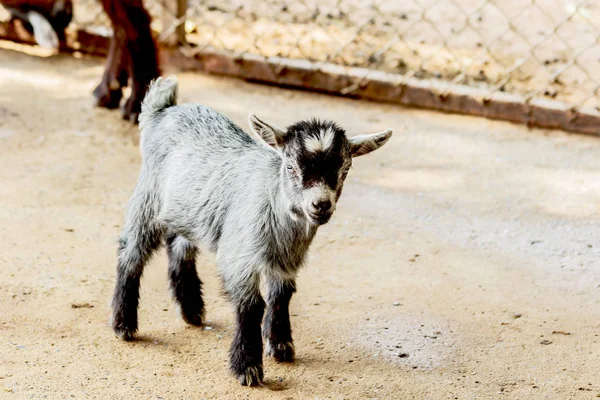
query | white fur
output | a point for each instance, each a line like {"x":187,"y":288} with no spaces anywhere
{"x":322,"y":142}
{"x":42,"y":30}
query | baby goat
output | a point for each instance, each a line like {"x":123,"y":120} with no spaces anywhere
{"x":255,"y":200}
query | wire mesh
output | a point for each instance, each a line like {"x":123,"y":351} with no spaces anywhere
{"x":535,"y":48}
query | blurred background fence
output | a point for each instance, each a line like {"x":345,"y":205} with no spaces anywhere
{"x":531,"y":61}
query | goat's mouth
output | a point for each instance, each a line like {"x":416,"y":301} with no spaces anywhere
{"x":319,"y":219}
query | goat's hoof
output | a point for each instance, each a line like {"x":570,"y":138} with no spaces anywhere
{"x":107,"y":98}
{"x":250,"y":376}
{"x":130,"y":116}
{"x":131,"y":109}
{"x":282,"y":352}
{"x":124,"y":328}
{"x":193,"y":318}
{"x":124,"y":334}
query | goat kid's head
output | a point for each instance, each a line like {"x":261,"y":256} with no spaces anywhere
{"x":316,"y":157}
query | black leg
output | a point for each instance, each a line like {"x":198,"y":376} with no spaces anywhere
{"x":246,"y":348}
{"x":185,"y":284}
{"x":276,"y":327}
{"x":135,"y":248}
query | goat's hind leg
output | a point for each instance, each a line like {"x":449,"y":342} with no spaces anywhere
{"x":137,"y":243}
{"x":186,"y":287}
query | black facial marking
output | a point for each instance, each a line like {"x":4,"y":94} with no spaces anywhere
{"x":321,"y":166}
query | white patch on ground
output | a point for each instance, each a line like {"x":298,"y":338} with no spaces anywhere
{"x":5,"y":133}
{"x":408,"y":340}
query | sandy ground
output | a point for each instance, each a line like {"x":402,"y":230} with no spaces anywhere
{"x":462,"y":262}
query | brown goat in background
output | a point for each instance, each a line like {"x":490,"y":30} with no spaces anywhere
{"x":132,"y":55}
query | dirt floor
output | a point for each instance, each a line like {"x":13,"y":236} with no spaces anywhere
{"x":462,"y":263}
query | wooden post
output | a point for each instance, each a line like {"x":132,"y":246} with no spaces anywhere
{"x":173,"y":23}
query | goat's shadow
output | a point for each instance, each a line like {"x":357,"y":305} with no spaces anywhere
{"x":274,"y":385}
{"x":277,"y":384}
{"x":187,"y":330}
{"x":148,"y":340}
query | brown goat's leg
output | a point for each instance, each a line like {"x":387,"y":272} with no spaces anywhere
{"x":136,"y":47}
{"x":109,"y":91}
{"x":143,"y":61}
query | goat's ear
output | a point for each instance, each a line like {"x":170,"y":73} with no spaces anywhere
{"x":271,"y":134}
{"x":364,"y":144}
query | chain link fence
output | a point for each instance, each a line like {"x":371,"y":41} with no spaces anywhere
{"x":536,"y":49}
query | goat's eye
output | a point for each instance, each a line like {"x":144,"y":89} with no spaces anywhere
{"x":290,"y":169}
{"x":345,"y":173}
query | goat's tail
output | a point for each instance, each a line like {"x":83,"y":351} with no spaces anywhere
{"x":162,"y":93}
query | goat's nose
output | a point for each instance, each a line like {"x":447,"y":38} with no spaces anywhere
{"x":322,"y":205}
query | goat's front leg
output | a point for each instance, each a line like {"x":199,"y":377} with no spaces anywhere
{"x":276,"y":326}
{"x":246,"y":349}
{"x":139,"y":239}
